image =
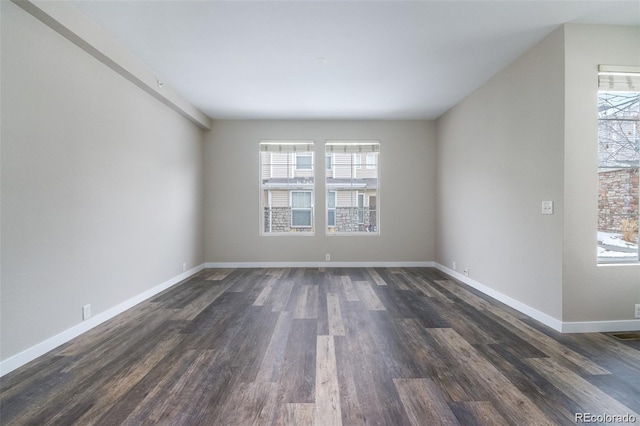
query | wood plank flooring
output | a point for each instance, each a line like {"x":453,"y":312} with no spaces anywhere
{"x":350,"y":346}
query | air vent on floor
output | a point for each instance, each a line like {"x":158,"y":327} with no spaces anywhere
{"x":626,"y":336}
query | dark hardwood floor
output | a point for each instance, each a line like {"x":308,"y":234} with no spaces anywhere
{"x":351,"y":346}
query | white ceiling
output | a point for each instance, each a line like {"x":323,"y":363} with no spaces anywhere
{"x":381,"y":59}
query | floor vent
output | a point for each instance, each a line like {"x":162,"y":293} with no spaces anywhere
{"x":626,"y":336}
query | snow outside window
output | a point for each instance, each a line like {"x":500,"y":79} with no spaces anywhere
{"x":618,"y":166}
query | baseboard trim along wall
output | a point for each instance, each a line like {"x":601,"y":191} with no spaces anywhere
{"x":42,"y":348}
{"x":563,"y":327}
{"x":600,"y":326}
{"x":319,"y":265}
{"x":509,"y":301}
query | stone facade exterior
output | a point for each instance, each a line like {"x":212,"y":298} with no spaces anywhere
{"x":279,"y":220}
{"x":618,"y":198}
{"x":347,"y":220}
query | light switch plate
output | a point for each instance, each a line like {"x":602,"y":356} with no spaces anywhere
{"x":547,"y":207}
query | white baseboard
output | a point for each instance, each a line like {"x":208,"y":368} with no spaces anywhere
{"x":515,"y":304}
{"x":41,"y":348}
{"x":319,"y":265}
{"x":600,"y":326}
{"x":563,"y":327}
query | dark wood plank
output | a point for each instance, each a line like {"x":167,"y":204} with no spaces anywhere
{"x":273,"y":358}
{"x":296,"y":414}
{"x":593,"y":399}
{"x":349,"y":405}
{"x":504,"y":395}
{"x":305,"y":346}
{"x":424,"y":402}
{"x":472,"y":413}
{"x":298,"y":371}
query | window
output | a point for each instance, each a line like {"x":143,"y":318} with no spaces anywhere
{"x":304,"y":162}
{"x":353,"y":192}
{"x":331,"y":209}
{"x":371,"y":160}
{"x":618,"y":165}
{"x":301,"y":209}
{"x":287,"y":185}
{"x":329,"y":162}
{"x":357,"y":161}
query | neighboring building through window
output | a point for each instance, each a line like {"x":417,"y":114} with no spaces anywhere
{"x":301,"y":210}
{"x":353,"y":191}
{"x":371,"y":160}
{"x":287,"y":186}
{"x":618,"y":167}
{"x":304,"y":161}
{"x":357,"y":160}
{"x":331,"y":209}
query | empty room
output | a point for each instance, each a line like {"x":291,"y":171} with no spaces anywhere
{"x":319,"y":212}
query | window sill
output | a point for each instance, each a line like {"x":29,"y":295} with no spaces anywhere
{"x":619,"y":263}
{"x":352,"y":234}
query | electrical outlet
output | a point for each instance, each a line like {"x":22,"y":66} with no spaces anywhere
{"x":327,"y":257}
{"x":453,"y":264}
{"x":86,"y":312}
{"x":637,"y":310}
{"x":466,"y":271}
{"x":184,"y":267}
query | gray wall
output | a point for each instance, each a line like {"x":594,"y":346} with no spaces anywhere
{"x":101,"y":186}
{"x":591,"y":292}
{"x":407,"y":191}
{"x":499,"y":154}
{"x":527,"y":135}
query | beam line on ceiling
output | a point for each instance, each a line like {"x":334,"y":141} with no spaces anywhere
{"x":66,"y":20}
